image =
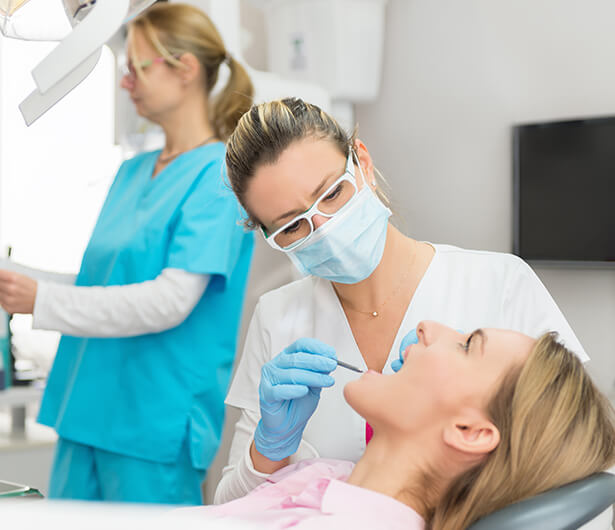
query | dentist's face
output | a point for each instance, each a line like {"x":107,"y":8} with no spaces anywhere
{"x":287,"y":187}
{"x":445,"y":373}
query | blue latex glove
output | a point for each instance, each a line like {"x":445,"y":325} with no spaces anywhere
{"x":410,"y":338}
{"x":289,"y":392}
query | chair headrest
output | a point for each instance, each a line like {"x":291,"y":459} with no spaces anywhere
{"x":564,"y":508}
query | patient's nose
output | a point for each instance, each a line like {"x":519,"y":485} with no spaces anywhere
{"x":423,"y":332}
{"x":429,"y":331}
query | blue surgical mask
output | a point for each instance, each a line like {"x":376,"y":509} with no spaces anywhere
{"x":349,"y":246}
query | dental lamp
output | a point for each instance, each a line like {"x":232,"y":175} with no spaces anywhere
{"x":81,"y":26}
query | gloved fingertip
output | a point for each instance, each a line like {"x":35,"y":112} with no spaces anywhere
{"x":410,"y":338}
{"x":396,"y":365}
{"x":331,"y":364}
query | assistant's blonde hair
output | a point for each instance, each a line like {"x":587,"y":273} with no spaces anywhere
{"x":555,"y":427}
{"x":267,"y":129}
{"x":174,"y":29}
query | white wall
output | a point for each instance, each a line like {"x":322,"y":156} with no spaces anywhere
{"x":456,"y":76}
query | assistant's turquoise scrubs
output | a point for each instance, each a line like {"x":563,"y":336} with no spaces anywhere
{"x":154,"y":400}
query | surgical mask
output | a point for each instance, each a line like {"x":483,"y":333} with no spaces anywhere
{"x":349,"y":246}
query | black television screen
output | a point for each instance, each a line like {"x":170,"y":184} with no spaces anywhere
{"x":564,"y":191}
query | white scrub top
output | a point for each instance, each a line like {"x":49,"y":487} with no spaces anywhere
{"x":464,"y":289}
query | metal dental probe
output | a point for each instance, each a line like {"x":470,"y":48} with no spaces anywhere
{"x":349,"y":367}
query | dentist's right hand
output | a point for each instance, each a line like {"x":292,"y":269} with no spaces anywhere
{"x":289,"y":392}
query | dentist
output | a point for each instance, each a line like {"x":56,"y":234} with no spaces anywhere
{"x":311,"y":190}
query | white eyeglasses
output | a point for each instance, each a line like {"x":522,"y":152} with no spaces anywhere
{"x":297,"y":231}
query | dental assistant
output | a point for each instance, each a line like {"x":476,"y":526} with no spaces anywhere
{"x":150,"y":325}
{"x":311,"y":190}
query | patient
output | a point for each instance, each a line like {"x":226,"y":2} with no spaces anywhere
{"x":470,"y":424}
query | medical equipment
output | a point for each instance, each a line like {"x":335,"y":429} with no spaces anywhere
{"x":5,"y":351}
{"x":70,"y":62}
{"x":565,"y":508}
{"x":320,"y":41}
{"x":11,"y":490}
{"x":50,"y":19}
{"x":288,"y":393}
{"x":349,"y":367}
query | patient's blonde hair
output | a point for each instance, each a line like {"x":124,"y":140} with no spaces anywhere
{"x":555,"y":428}
{"x":174,"y":29}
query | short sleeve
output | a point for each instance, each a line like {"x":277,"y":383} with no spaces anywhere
{"x":207,"y":236}
{"x":243,"y":392}
{"x":528,"y":307}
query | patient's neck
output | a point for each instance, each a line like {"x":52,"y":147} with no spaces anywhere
{"x":403,"y":470}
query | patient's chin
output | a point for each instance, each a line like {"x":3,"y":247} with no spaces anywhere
{"x":352,"y":393}
{"x":359,"y":398}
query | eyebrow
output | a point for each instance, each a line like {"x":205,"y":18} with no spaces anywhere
{"x":483,"y":338}
{"x":315,"y":194}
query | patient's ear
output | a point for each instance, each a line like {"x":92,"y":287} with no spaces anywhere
{"x":472,"y":434}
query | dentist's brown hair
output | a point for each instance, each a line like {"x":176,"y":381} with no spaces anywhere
{"x":267,"y":130}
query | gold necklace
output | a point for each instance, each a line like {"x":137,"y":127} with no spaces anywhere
{"x":376,"y":313}
{"x":168,"y":158}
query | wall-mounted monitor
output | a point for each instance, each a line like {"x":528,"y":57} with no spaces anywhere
{"x":564,"y":191}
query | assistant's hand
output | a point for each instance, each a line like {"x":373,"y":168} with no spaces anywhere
{"x":17,"y":292}
{"x":410,"y":338}
{"x":289,"y":392}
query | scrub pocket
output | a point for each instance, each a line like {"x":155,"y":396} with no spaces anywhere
{"x":204,"y":430}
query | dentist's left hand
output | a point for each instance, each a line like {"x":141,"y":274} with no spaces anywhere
{"x":289,"y":392}
{"x":17,"y":292}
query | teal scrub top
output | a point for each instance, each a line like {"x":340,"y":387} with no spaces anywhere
{"x":141,"y":396}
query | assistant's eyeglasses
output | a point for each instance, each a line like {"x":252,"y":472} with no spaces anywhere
{"x":129,"y":69}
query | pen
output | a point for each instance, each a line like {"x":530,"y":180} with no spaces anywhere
{"x":349,"y":366}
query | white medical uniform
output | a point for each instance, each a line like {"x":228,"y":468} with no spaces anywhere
{"x":464,"y":289}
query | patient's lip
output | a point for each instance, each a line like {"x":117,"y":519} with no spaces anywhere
{"x":370,"y":371}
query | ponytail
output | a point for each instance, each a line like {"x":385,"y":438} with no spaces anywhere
{"x":233,"y":101}
{"x":174,"y":29}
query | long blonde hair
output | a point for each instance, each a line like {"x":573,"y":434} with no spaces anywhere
{"x":267,"y":129}
{"x":555,"y":427}
{"x":173,"y":29}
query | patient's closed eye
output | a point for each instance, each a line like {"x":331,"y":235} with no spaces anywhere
{"x":468,"y":343}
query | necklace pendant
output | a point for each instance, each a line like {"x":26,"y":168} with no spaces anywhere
{"x":375,"y":314}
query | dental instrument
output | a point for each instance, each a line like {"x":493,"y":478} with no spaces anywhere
{"x":349,"y":366}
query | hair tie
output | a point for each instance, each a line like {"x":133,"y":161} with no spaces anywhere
{"x":228,"y":59}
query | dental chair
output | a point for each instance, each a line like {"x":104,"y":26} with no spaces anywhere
{"x":583,"y":504}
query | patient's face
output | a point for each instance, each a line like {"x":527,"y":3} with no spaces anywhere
{"x":443,"y":375}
